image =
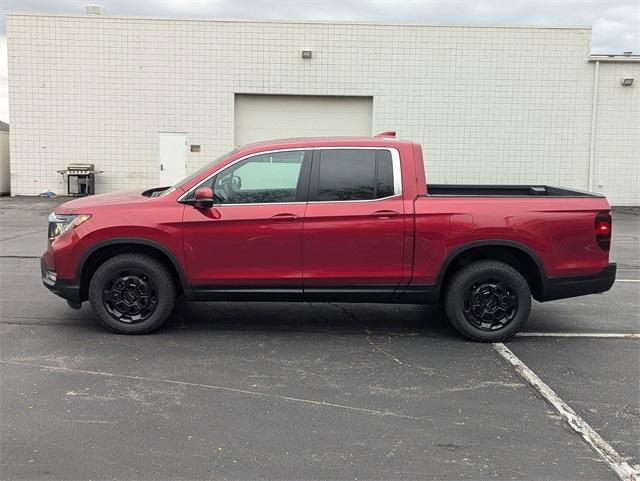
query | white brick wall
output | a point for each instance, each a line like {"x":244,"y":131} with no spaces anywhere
{"x":489,"y":104}
{"x":617,"y":141}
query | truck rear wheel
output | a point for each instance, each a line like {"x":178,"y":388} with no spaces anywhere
{"x":488,"y":301}
{"x":132,"y":294}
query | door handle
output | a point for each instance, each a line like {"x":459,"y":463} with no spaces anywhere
{"x":385,"y":214}
{"x":284,"y":217}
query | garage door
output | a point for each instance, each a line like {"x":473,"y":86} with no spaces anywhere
{"x":265,"y":117}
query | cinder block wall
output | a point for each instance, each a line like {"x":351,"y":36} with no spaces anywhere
{"x":489,"y":104}
{"x":617,"y":134}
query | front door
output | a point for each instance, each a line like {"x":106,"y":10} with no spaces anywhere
{"x":172,"y":157}
{"x":354,"y":224}
{"x":251,"y":239}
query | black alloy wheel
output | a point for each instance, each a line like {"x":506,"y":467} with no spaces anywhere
{"x":487,"y":301}
{"x":130,"y":296}
{"x":490,"y":304}
{"x":133,"y":293}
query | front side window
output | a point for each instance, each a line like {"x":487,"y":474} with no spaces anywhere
{"x":355,"y":174}
{"x":202,"y":169}
{"x":263,"y":178}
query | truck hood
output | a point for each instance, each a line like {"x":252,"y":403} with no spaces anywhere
{"x":79,"y":206}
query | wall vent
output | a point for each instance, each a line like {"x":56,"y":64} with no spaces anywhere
{"x":95,"y":10}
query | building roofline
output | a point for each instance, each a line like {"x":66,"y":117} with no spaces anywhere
{"x":603,"y":57}
{"x":297,"y":21}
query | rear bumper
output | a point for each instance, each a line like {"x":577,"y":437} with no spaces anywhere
{"x":67,"y":289}
{"x":562,"y":287}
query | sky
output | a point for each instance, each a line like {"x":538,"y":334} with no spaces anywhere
{"x":615,"y":23}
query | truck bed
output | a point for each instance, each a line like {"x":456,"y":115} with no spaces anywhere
{"x":479,"y":190}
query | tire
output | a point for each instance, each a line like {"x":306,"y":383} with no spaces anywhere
{"x":132,"y":294}
{"x":488,"y":301}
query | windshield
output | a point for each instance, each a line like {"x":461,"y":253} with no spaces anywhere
{"x":202,"y":169}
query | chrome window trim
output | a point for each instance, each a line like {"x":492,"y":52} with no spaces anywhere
{"x":395,"y":164}
{"x":396,"y":169}
{"x":352,"y":201}
{"x":255,"y":154}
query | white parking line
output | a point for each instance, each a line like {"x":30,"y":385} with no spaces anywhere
{"x":627,"y":280}
{"x":610,"y":456}
{"x":615,"y":335}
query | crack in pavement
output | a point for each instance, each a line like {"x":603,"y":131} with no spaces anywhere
{"x":379,"y":348}
{"x":375,"y":412}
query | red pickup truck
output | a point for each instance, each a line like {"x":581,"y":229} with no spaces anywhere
{"x":329,"y":219}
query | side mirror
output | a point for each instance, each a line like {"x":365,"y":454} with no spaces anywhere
{"x":204,"y":198}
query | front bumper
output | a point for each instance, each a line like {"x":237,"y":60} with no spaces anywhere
{"x":562,"y":287}
{"x":65,"y":288}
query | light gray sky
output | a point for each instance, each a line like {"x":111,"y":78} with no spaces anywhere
{"x":616,"y":23}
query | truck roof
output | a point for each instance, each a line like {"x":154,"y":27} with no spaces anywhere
{"x":326,"y":142}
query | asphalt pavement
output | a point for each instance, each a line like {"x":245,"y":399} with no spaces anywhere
{"x":308,"y":391}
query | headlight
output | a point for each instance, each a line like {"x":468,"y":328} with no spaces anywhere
{"x":61,"y":223}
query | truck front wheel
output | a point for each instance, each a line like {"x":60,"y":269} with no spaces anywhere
{"x":132,"y":294}
{"x":488,"y":301}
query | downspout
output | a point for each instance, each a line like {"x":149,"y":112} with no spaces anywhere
{"x":594,"y":113}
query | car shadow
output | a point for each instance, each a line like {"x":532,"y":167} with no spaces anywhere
{"x":310,"y":317}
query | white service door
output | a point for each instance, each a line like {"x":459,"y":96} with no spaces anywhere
{"x":172,"y":157}
{"x":267,"y":117}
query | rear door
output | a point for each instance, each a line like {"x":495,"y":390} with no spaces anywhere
{"x":353,"y":234}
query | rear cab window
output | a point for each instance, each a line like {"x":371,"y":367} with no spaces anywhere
{"x":354,"y":175}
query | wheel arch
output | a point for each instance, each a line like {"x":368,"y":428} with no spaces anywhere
{"x":101,"y":251}
{"x":516,"y":254}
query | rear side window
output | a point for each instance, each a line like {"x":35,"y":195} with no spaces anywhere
{"x":354,"y":174}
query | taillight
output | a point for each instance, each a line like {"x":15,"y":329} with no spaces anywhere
{"x":603,"y":230}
